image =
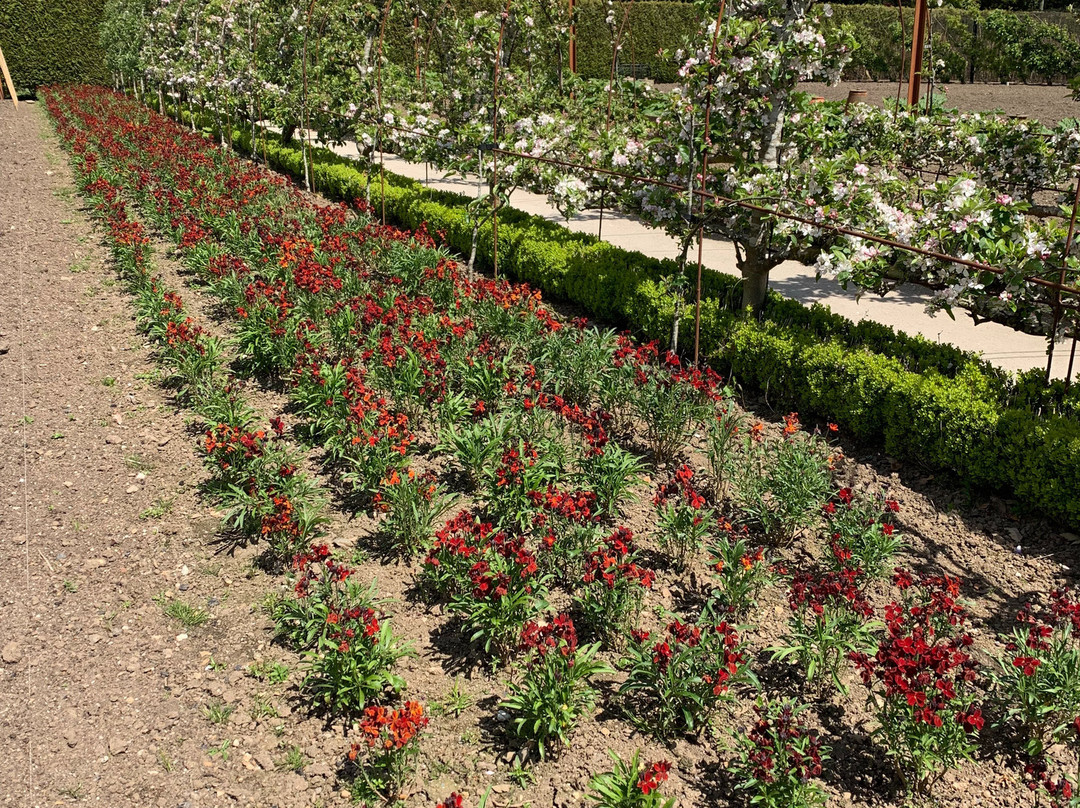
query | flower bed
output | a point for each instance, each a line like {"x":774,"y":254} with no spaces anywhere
{"x":427,"y":392}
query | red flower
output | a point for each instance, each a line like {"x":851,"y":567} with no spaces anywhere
{"x":653,"y":776}
{"x":1027,"y":664}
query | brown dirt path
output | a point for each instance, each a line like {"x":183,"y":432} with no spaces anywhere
{"x":103,"y":697}
{"x":1039,"y":101}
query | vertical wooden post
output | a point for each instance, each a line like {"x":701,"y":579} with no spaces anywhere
{"x":8,"y":81}
{"x":573,"y":40}
{"x":918,"y":40}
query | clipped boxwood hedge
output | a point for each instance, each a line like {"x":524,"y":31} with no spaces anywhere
{"x":52,"y":42}
{"x":879,"y":385}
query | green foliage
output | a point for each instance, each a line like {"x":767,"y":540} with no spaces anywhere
{"x":54,"y":42}
{"x":554,"y":692}
{"x":1008,"y":45}
{"x":622,"y":787}
{"x":934,"y":404}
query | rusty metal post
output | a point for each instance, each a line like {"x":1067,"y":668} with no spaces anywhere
{"x":918,"y":40}
{"x":1072,"y":358}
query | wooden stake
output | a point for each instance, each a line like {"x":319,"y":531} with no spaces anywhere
{"x":7,"y":79}
{"x":918,"y":41}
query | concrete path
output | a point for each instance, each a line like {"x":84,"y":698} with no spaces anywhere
{"x":903,"y":309}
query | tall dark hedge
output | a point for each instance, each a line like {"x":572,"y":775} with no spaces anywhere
{"x":52,"y":42}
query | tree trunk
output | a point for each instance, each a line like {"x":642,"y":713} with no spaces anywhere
{"x":755,"y":278}
{"x":287,"y":132}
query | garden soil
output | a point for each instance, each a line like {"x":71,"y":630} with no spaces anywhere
{"x":106,"y":700}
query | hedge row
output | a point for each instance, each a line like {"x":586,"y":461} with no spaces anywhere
{"x":991,"y":46}
{"x":973,"y":45}
{"x":52,"y":42}
{"x":805,"y":359}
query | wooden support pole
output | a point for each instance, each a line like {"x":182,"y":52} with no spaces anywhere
{"x":573,"y":40}
{"x":8,"y":81}
{"x":918,"y":41}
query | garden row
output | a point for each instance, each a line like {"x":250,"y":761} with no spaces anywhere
{"x":420,"y":384}
{"x":924,"y":402}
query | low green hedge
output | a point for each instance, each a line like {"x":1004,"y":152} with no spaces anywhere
{"x":809,"y":360}
{"x":52,"y":42}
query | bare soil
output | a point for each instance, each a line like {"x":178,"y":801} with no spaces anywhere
{"x":1038,"y":101}
{"x":104,"y":699}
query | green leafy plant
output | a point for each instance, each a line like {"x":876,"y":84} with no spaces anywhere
{"x":738,"y":575}
{"x":783,"y":482}
{"x":779,"y":757}
{"x":675,"y":682}
{"x":554,"y":692}
{"x":413,"y":503}
{"x":1038,"y":676}
{"x":831,"y":619}
{"x":630,"y":784}
{"x":611,"y":474}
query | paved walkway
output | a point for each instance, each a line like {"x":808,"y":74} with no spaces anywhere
{"x":903,"y":309}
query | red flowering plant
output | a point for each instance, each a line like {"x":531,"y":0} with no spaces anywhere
{"x":1038,"y":676}
{"x":672,"y":402}
{"x":686,"y":517}
{"x":458,"y":544}
{"x":359,"y":428}
{"x":522,"y":470}
{"x":781,"y":484}
{"x":554,"y":691}
{"x":338,"y":625}
{"x":739,"y":573}
{"x":618,"y":393}
{"x":921,"y":681}
{"x":264,"y":496}
{"x":831,"y":618}
{"x":385,"y":756}
{"x":491,"y":579}
{"x":861,"y":531}
{"x":631,"y":784}
{"x":676,"y":680}
{"x":1063,"y":792}
{"x":612,"y":587}
{"x":413,"y":503}
{"x":565,"y":524}
{"x":192,"y":356}
{"x":780,"y":757}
